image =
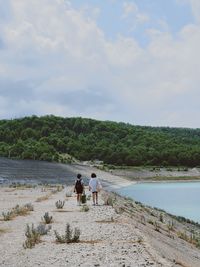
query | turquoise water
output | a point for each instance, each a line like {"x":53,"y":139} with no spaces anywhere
{"x":182,"y":198}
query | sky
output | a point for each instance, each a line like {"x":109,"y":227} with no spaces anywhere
{"x":135,"y":61}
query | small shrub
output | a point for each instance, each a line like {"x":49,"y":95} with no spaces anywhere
{"x":156,"y":226}
{"x":47,"y":219}
{"x":150,"y":222}
{"x":7,"y":216}
{"x":60,"y":204}
{"x":143,"y":220}
{"x":152,"y":213}
{"x":183,"y":236}
{"x":170,"y":226}
{"x":20,"y":211}
{"x":138,"y":203}
{"x":69,"y":236}
{"x":42,"y":229}
{"x":32,"y":237}
{"x":58,"y":189}
{"x":29,"y":207}
{"x":17,"y":211}
{"x":85,"y":208}
{"x":161,"y":219}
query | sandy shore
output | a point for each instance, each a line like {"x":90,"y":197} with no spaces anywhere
{"x":107,"y":238}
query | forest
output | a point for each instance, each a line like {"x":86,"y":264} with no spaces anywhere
{"x":50,"y":138}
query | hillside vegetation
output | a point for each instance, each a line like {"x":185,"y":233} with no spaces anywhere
{"x":51,"y":137}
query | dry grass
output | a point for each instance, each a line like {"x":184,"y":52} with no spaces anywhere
{"x":3,"y":231}
{"x":9,"y":190}
{"x":90,"y":241}
{"x":19,"y":186}
{"x":22,"y":211}
{"x":43,"y":198}
{"x":178,"y":262}
{"x":58,"y":189}
{"x":17,"y":211}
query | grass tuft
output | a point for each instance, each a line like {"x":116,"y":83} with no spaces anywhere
{"x":43,"y":198}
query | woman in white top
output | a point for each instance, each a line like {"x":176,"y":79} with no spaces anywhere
{"x":94,"y":187}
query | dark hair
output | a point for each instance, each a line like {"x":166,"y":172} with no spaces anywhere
{"x":93,"y":175}
{"x":78,"y":175}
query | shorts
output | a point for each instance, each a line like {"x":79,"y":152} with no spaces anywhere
{"x":94,"y":192}
{"x":79,"y":192}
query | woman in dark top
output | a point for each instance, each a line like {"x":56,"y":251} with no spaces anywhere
{"x":79,"y":188}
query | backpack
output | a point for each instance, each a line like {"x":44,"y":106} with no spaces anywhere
{"x":79,"y":186}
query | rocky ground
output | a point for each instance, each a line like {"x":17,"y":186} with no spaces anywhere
{"x":118,"y":234}
{"x":107,"y":238}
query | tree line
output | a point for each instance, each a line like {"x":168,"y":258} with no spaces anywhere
{"x":50,"y":137}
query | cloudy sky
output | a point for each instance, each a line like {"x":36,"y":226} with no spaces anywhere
{"x":136,"y":61}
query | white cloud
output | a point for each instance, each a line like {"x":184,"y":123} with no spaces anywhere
{"x":55,"y":59}
{"x":131,"y":10}
{"x":195,"y":5}
{"x":91,"y":12}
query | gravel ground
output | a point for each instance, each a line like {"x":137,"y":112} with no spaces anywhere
{"x":107,"y":238}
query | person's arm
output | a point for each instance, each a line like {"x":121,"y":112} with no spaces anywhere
{"x":83,"y":185}
{"x":75,"y":187}
{"x":90,"y":185}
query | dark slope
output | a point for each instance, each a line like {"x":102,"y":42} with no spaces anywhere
{"x":36,"y":171}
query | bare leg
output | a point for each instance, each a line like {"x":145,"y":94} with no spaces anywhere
{"x":93,"y":198}
{"x":96,"y":198}
{"x":78,"y":199}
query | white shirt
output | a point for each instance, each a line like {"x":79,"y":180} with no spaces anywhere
{"x":93,"y":184}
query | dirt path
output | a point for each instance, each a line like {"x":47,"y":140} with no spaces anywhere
{"x":107,"y":238}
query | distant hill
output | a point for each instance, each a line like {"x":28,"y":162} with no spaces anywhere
{"x":54,"y":138}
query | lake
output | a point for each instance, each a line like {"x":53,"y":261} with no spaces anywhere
{"x":181,"y":198}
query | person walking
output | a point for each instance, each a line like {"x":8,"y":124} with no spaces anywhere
{"x":79,"y":188}
{"x":94,"y":187}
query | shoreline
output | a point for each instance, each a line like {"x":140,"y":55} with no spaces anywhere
{"x":170,"y":234}
{"x":169,"y":181}
{"x":160,"y":208}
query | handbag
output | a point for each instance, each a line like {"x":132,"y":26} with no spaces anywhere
{"x":83,"y":198}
